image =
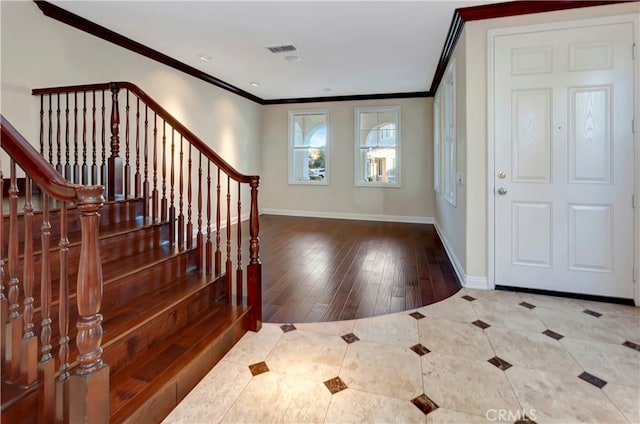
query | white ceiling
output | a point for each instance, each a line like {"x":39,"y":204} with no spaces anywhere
{"x":346,"y":47}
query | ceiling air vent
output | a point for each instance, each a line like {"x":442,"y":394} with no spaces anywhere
{"x":283,"y":49}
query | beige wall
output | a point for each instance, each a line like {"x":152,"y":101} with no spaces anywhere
{"x":37,"y":51}
{"x":474,"y":48}
{"x":411,"y":202}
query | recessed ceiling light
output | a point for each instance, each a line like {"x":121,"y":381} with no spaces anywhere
{"x":292,"y":58}
{"x":326,"y":89}
{"x":254,"y":84}
{"x":204,"y":57}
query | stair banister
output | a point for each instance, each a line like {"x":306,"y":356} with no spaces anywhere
{"x":88,"y":384}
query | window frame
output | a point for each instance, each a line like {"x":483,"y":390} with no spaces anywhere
{"x":291,"y":148}
{"x":358,"y":165}
{"x":445,"y":140}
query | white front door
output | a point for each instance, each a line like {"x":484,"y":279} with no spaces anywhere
{"x":564,"y":160}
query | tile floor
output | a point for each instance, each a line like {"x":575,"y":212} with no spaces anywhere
{"x":478,"y":356}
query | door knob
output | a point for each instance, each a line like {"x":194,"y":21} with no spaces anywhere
{"x":502,"y":191}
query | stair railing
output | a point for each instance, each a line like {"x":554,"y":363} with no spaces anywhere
{"x":181,"y":179}
{"x":80,"y":395}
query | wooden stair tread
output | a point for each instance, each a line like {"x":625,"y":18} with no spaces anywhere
{"x":149,"y":373}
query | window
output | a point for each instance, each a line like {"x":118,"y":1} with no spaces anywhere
{"x":378,"y":146}
{"x":308,"y":147}
{"x":444,"y":143}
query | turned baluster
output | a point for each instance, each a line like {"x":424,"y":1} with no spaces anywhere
{"x":58,"y":145}
{"x":200,"y":238}
{"x":228,"y":264}
{"x":239,"y":291}
{"x":114,"y":164}
{"x":42,"y":124}
{"x":137,"y":181}
{"x":89,"y":384}
{"x":163,"y":202}
{"x":254,"y":269}
{"x":76,"y":165}
{"x":29,"y":345}
{"x":145,"y":185}
{"x":50,"y":131}
{"x":46,"y":366}
{"x":154,"y":193}
{"x":67,"y":148}
{"x":208,"y":251}
{"x":13,"y":328}
{"x":85,"y":167}
{"x":62,"y":383}
{"x":189,"y":224}
{"x":218,"y":255}
{"x":127,"y":166}
{"x":180,"y":200}
{"x":94,"y":154}
{"x":103,"y":164}
{"x":172,"y":208}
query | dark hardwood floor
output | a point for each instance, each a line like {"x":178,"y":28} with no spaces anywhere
{"x":330,"y":269}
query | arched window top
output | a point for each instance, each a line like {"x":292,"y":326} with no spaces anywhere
{"x":383,"y":135}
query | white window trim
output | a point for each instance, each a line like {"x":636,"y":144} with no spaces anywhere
{"x":437,"y":148}
{"x":358,"y":110}
{"x":290,"y":147}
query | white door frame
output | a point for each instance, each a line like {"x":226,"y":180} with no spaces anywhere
{"x":634,"y":19}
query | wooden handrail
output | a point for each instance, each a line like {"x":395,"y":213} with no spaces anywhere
{"x":40,"y":171}
{"x":165,"y":115}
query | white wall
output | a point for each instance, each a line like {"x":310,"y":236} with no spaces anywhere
{"x":37,"y":52}
{"x":472,"y":247}
{"x":413,"y":201}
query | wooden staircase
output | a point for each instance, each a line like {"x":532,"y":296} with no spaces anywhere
{"x":153,"y":308}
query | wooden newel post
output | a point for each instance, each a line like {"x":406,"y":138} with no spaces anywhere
{"x":114,"y":163}
{"x":254,"y":269}
{"x":89,"y":385}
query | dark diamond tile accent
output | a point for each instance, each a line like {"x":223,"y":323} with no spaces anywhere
{"x":592,"y":313}
{"x":350,"y":338}
{"x":527,"y":305}
{"x":419,"y":349}
{"x":424,"y":403}
{"x":500,"y":363}
{"x":469,"y":298}
{"x":258,"y":368}
{"x":552,"y":334}
{"x":590,"y":378}
{"x":481,"y":324}
{"x":525,"y":420}
{"x":416,"y":315}
{"x":632,"y":345}
{"x":335,"y":385}
{"x":287,"y":327}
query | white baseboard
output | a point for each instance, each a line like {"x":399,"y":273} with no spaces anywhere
{"x":468,"y":281}
{"x":354,"y":216}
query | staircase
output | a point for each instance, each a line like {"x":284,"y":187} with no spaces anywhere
{"x":113,"y":309}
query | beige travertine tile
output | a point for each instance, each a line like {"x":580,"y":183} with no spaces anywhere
{"x":383,"y":369}
{"x":495,"y":295}
{"x":626,"y":398}
{"x":507,"y":314}
{"x":469,"y":385}
{"x":445,"y":416}
{"x":577,"y":324}
{"x":333,"y":328}
{"x":454,"y":308}
{"x":454,"y":338}
{"x":610,"y":362}
{"x":210,"y":400}
{"x":560,"y":398}
{"x":553,"y":302}
{"x":532,"y":350}
{"x":354,"y":406}
{"x":397,"y":329}
{"x":255,"y":347}
{"x":275,"y":398}
{"x":314,"y":356}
